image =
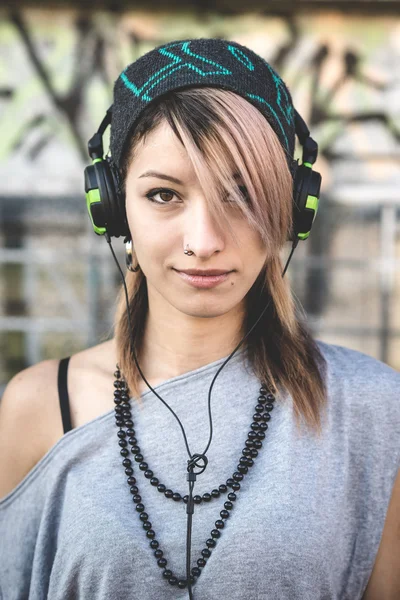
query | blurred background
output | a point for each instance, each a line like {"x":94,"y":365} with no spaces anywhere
{"x":58,"y":63}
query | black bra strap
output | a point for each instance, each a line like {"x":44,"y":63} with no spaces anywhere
{"x":63,"y":393}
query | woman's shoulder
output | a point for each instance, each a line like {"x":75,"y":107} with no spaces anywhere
{"x":30,"y":416}
{"x":354,"y":365}
{"x":362,"y":387}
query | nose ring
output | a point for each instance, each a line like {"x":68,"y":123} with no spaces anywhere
{"x":187,"y":251}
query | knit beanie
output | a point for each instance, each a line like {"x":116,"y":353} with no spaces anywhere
{"x":201,"y":62}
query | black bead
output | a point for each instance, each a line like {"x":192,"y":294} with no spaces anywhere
{"x":269,"y":406}
{"x":215,"y":493}
{"x":148,"y":474}
{"x":147,"y":525}
{"x":143,"y":516}
{"x":206,"y":553}
{"x":130,"y":431}
{"x":236,"y":486}
{"x":246,"y":451}
{"x":250,"y":461}
{"x":137,"y":498}
{"x":182,"y":584}
{"x":128,"y":423}
{"x":201,"y":562}
{"x":167,"y":574}
{"x":262,"y":399}
{"x":228,"y":505}
{"x":242,"y":469}
{"x":177,"y":497}
{"x":243,"y":460}
{"x":127,"y":462}
{"x":140,"y":507}
{"x":196,"y":571}
{"x":124,"y":452}
{"x":232,"y":497}
{"x":215,"y":533}
{"x":197,"y":499}
{"x":263,"y":426}
{"x":162,"y":562}
{"x":252,"y":435}
{"x":132,"y":440}
{"x":257,"y":444}
{"x":154,"y":544}
{"x":222,"y":488}
{"x":143,"y":466}
{"x":206,"y":497}
{"x":121,"y":434}
{"x":271,"y":398}
{"x":224,"y":514}
{"x":237,"y":476}
{"x":135,"y":450}
{"x":249,"y":443}
{"x":230,"y":482}
{"x":185,"y":499}
{"x":173,"y":580}
{"x":134,"y":490}
{"x":129,"y":471}
{"x":158,"y":553}
{"x":168,"y":493}
{"x":260,"y":435}
{"x":211,"y":543}
{"x":219,"y":524}
{"x":255,"y":426}
{"x":139,"y":458}
{"x":150,"y":534}
{"x":254,"y":453}
{"x":257,"y":417}
{"x":131,"y":480}
{"x":154,"y":480}
{"x":118,"y":409}
{"x":161,"y":488}
{"x":259,"y":408}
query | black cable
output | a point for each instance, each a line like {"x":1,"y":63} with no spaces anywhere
{"x":193,"y":458}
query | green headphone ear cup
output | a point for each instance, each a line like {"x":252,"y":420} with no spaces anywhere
{"x":93,"y":201}
{"x":306,"y":190}
{"x":105,"y":203}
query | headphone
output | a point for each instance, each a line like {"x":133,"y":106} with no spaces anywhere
{"x":106,"y":203}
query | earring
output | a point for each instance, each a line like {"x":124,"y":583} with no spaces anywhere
{"x":187,"y":251}
{"x":128,"y":258}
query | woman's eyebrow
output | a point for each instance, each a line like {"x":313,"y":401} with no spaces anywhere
{"x":161,"y":176}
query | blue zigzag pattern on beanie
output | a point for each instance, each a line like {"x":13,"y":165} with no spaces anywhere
{"x":287,"y":110}
{"x":179,"y":62}
{"x":168,"y":70}
{"x":254,"y":97}
{"x":241,"y":57}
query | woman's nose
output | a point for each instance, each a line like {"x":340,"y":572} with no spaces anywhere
{"x":202,"y":232}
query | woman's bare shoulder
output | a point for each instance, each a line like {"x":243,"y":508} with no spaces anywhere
{"x":30,"y":417}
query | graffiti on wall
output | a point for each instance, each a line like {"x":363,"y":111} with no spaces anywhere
{"x":344,"y":74}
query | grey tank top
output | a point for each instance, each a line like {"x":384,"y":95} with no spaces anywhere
{"x":306,"y":524}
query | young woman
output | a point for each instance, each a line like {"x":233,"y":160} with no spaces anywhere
{"x":212,"y":448}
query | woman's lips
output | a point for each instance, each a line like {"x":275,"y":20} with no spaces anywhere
{"x":203,"y":281}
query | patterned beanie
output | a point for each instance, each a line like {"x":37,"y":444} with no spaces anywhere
{"x":201,"y":62}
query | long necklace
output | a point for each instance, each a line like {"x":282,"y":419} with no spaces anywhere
{"x":253,"y":443}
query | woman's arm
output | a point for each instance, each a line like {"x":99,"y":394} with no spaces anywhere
{"x":384,"y":583}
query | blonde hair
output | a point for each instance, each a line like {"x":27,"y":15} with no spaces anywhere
{"x":225,"y":136}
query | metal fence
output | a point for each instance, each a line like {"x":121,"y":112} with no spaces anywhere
{"x":59,"y":282}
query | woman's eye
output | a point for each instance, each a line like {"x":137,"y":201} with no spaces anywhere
{"x":165,"y":196}
{"x":243,"y":192}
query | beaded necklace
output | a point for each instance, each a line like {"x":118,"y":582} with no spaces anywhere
{"x":253,"y":443}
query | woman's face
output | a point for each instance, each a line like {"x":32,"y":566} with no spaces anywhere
{"x":179,"y":215}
